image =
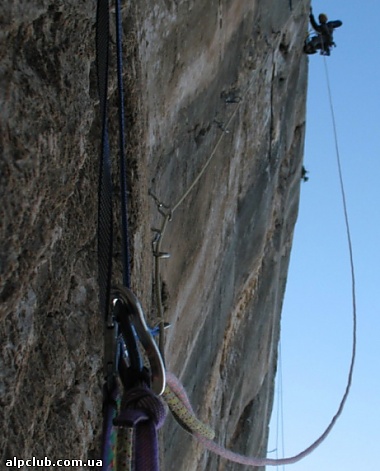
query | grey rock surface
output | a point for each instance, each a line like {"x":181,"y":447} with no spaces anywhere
{"x":189,"y":67}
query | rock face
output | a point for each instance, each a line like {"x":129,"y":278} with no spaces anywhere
{"x":190,"y":67}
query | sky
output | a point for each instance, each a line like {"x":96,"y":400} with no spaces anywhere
{"x":316,"y":328}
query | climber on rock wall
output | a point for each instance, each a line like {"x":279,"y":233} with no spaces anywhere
{"x":324,"y":39}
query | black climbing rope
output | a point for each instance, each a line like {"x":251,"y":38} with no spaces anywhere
{"x":122,"y":314}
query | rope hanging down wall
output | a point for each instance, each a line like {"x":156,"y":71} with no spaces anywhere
{"x":167,"y":212}
{"x":137,"y":406}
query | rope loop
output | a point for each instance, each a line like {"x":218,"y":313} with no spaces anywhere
{"x":142,"y":414}
{"x":141,"y":404}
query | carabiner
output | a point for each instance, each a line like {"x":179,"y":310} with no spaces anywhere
{"x":136,"y":319}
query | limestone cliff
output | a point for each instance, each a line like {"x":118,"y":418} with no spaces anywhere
{"x":189,"y":66}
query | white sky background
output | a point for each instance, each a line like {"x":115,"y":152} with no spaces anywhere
{"x":317,"y":315}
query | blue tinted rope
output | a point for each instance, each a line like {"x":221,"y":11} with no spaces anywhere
{"x":123,"y":166}
{"x":105,"y":219}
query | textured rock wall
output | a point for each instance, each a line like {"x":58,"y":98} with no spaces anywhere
{"x":229,"y":240}
{"x":50,"y":337}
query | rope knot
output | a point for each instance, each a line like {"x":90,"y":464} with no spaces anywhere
{"x":141,"y":405}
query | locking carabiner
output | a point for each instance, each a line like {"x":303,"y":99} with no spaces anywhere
{"x":133,"y":318}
